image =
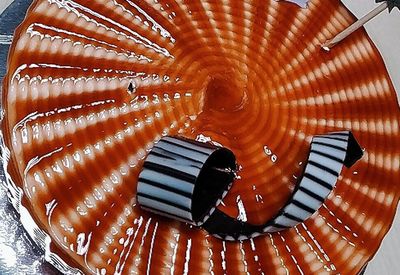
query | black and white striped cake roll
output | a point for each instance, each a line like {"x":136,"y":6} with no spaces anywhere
{"x":185,"y":179}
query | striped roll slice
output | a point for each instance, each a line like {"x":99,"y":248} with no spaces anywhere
{"x":185,"y":179}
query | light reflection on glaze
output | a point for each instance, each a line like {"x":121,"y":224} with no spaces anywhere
{"x":31,"y":30}
{"x":74,"y":7}
{"x":153,"y":237}
{"x":291,"y":254}
{"x":325,"y":256}
{"x":243,"y":258}
{"x":31,"y":164}
{"x":242,"y":211}
{"x":313,"y":250}
{"x":175,"y":246}
{"x":223,"y":256}
{"x":128,"y":244}
{"x":187,"y":256}
{"x":282,"y":262}
{"x":156,"y":26}
{"x":210,"y":258}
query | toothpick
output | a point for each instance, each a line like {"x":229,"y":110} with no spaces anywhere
{"x":355,"y":26}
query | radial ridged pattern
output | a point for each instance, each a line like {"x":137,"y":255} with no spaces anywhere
{"x":91,"y":86}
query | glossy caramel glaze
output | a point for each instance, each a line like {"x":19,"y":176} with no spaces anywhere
{"x":91,"y":85}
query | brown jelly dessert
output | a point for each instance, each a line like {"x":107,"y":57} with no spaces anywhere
{"x":92,"y":85}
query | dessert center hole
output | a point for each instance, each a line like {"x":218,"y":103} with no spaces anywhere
{"x":224,"y":93}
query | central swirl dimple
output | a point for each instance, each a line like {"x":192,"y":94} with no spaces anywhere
{"x":225,"y":93}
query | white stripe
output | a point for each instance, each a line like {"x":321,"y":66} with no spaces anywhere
{"x":321,"y":174}
{"x":166,"y":180}
{"x":184,"y":144}
{"x":327,"y":162}
{"x":183,"y":151}
{"x":152,"y":206}
{"x":282,"y":220}
{"x":314,"y":187}
{"x":341,"y":135}
{"x":173,"y":164}
{"x":163,"y":194}
{"x":339,"y":143}
{"x":328,"y":150}
{"x":297,"y":212}
{"x":307,"y":200}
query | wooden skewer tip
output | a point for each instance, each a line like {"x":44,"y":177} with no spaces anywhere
{"x":328,"y":45}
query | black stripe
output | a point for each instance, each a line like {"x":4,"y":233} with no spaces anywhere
{"x":159,"y":155}
{"x":170,"y":171}
{"x":329,"y":145}
{"x":166,"y":187}
{"x":163,"y":201}
{"x":186,"y":147}
{"x":303,"y":206}
{"x":200,"y":144}
{"x":312,"y":194}
{"x":326,"y":155}
{"x":319,"y":181}
{"x":172,"y":155}
{"x":292,"y":217}
{"x":323,"y":167}
{"x":277,"y":225}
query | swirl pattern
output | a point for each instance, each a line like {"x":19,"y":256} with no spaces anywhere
{"x":91,"y":85}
